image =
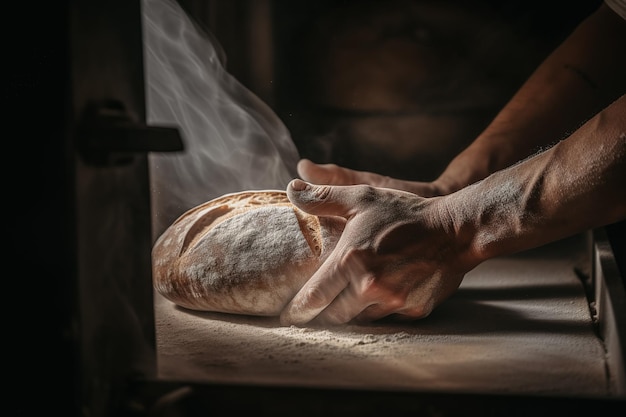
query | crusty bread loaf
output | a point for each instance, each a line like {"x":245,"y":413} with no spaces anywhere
{"x":244,"y":253}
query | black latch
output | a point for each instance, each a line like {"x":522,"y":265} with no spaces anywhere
{"x":109,"y":136}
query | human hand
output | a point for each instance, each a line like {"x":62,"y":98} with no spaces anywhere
{"x":336,"y":175}
{"x":398,"y":255}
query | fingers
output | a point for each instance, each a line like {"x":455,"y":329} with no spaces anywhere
{"x":324,"y":173}
{"x":335,"y":294}
{"x":345,"y":307}
{"x":315,"y":295}
{"x":335,"y":175}
{"x":323,"y":200}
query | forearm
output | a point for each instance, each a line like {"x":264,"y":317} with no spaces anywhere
{"x":578,"y":79}
{"x":578,"y":184}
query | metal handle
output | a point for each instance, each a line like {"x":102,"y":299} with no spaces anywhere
{"x":109,"y":136}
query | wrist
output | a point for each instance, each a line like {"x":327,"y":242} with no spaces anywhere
{"x":487,"y":217}
{"x":454,"y":214}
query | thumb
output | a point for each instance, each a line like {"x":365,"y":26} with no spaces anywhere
{"x":322,"y":200}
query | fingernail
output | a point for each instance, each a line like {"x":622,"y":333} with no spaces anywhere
{"x":299,"y":185}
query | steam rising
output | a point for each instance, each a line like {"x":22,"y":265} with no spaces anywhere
{"x":233,"y":141}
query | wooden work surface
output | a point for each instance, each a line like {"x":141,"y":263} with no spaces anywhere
{"x":517,"y":325}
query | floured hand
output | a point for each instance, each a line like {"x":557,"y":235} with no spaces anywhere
{"x":392,"y":258}
{"x":335,"y":175}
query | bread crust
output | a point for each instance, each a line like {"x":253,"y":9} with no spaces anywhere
{"x":244,"y":253}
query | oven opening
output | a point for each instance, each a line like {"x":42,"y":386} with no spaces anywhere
{"x":131,"y":113}
{"x":394,"y":89}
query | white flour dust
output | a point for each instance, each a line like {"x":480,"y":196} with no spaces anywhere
{"x":273,"y":232}
{"x":519,"y":324}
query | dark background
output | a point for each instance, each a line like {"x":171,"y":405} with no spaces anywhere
{"x":401,"y":63}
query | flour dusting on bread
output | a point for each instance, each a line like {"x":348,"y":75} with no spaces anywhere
{"x":242,"y":253}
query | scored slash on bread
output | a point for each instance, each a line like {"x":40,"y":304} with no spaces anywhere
{"x":244,"y":253}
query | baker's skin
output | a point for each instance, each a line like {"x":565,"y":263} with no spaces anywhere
{"x":407,"y":245}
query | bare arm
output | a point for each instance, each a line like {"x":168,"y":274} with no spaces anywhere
{"x":402,"y":254}
{"x":581,"y":77}
{"x":578,"y":184}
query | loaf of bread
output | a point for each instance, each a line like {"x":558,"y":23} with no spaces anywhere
{"x":243,"y":253}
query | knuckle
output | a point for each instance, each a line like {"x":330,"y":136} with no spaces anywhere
{"x":322,"y":192}
{"x":351,"y":257}
{"x":315,"y":297}
{"x":395,"y":303}
{"x":354,"y":263}
{"x":367,"y":194}
{"x":420,"y":311}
